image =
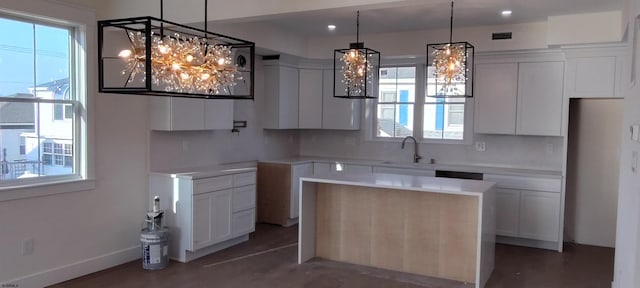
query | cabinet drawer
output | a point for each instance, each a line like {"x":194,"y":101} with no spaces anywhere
{"x":243,"y":222}
{"x":212,"y":184}
{"x":244,"y":198}
{"x":243,"y":179}
{"x":525,"y":183}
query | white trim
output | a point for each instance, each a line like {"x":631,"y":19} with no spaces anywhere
{"x":77,"y":269}
{"x":46,"y":189}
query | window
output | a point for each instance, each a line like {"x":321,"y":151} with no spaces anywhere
{"x":443,"y":117}
{"x":40,"y":99}
{"x":395,"y":106}
{"x":398,"y":113}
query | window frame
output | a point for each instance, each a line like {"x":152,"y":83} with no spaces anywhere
{"x":418,"y":119}
{"x":80,"y":179}
{"x":374,"y":127}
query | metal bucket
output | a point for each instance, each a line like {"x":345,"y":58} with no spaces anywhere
{"x":155,"y":248}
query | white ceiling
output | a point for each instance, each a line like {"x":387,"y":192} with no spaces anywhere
{"x":433,"y":14}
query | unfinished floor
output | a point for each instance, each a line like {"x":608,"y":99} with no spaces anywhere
{"x":269,"y":259}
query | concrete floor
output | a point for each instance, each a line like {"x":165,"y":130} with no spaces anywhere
{"x":269,"y":259}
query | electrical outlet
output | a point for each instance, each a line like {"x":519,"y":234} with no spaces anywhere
{"x":549,"y":148}
{"x":27,"y":246}
{"x":480,"y":146}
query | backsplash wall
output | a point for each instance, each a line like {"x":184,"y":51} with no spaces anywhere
{"x":529,"y":152}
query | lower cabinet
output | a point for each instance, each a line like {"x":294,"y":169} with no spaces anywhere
{"x":525,"y":213}
{"x":205,"y":214}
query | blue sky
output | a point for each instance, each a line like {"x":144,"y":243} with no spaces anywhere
{"x":19,"y":41}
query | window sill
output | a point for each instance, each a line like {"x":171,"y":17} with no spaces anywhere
{"x":45,"y":189}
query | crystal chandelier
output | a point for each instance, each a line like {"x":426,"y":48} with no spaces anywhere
{"x":168,"y":59}
{"x":451,"y":70}
{"x":358,"y":67}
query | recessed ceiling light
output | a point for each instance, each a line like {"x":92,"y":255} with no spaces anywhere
{"x":506,"y":13}
{"x":331,"y":27}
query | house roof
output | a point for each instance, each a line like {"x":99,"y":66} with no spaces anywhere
{"x":17,"y":112}
{"x":391,"y":127}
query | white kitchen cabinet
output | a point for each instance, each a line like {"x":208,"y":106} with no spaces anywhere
{"x":321,"y":168}
{"x":519,"y":98}
{"x":211,"y":218}
{"x":507,"y":212}
{"x":540,"y":92}
{"x":310,"y":101}
{"x":592,"y":77}
{"x":338,"y":113}
{"x":540,"y":215}
{"x":297,"y":171}
{"x":281,"y":96}
{"x":206,"y":214}
{"x":404,"y":171}
{"x":496,"y":88}
{"x":183,"y":114}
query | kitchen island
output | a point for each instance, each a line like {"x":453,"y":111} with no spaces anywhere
{"x":435,"y":227}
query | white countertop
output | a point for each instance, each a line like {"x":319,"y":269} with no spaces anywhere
{"x":211,"y":171}
{"x":407,"y":182}
{"x":486,"y":169}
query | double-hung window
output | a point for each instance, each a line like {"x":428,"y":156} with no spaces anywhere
{"x":431,"y":118}
{"x":40,"y":102}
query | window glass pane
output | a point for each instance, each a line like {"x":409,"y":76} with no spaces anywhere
{"x":396,"y":102}
{"x":444,"y":119}
{"x":40,"y":60}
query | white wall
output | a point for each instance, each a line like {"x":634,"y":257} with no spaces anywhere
{"x":592,"y":172}
{"x":585,"y":28}
{"x":171,"y":151}
{"x":627,"y":271}
{"x":506,"y":151}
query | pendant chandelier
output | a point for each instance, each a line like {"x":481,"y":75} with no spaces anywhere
{"x":151,"y":56}
{"x":355,"y":70}
{"x":451,"y":72}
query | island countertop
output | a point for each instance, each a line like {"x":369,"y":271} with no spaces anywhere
{"x":408,"y":182}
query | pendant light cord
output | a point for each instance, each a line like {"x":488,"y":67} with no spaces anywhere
{"x":205,"y":16}
{"x":161,"y":18}
{"x":451,"y":25}
{"x":358,"y":27}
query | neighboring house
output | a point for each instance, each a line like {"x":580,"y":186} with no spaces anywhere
{"x":51,"y":142}
{"x":15,"y":119}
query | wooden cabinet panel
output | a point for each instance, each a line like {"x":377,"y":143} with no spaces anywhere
{"x":540,"y":92}
{"x":496,"y":90}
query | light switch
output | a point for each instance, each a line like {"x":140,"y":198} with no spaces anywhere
{"x":635,"y":131}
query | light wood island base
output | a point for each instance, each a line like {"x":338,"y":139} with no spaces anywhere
{"x":433,"y":234}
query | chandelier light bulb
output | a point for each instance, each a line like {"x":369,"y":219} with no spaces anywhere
{"x":221,"y":61}
{"x":163,"y":49}
{"x":175,"y":66}
{"x":184,"y":76}
{"x":205,"y":76}
{"x":189,"y":58}
{"x":125,"y":53}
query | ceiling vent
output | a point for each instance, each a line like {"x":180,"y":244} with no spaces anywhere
{"x":501,"y":36}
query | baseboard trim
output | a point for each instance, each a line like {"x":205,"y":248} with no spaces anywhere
{"x":77,"y":269}
{"x":527,"y":242}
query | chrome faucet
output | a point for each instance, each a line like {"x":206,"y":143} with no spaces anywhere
{"x":416,"y":157}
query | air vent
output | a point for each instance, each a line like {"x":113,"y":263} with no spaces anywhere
{"x":501,"y":36}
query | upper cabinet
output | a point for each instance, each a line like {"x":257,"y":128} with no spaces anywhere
{"x":281,"y":93}
{"x":301,"y":97}
{"x":595,"y":72}
{"x":188,"y":114}
{"x":519,"y":98}
{"x":495,"y":98}
{"x":310,"y":100}
{"x":540,"y":90}
{"x":338,"y":113}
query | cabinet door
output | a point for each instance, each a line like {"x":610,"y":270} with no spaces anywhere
{"x":539,"y":215}
{"x":507,"y":212}
{"x":591,"y":77}
{"x":540,"y":90}
{"x":218,"y":114}
{"x":243,"y":222}
{"x":297,"y":171}
{"x":310,"y":102}
{"x":288,"y":110}
{"x":176,"y":114}
{"x":338,"y":113}
{"x":495,"y":98}
{"x":211,"y":218}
